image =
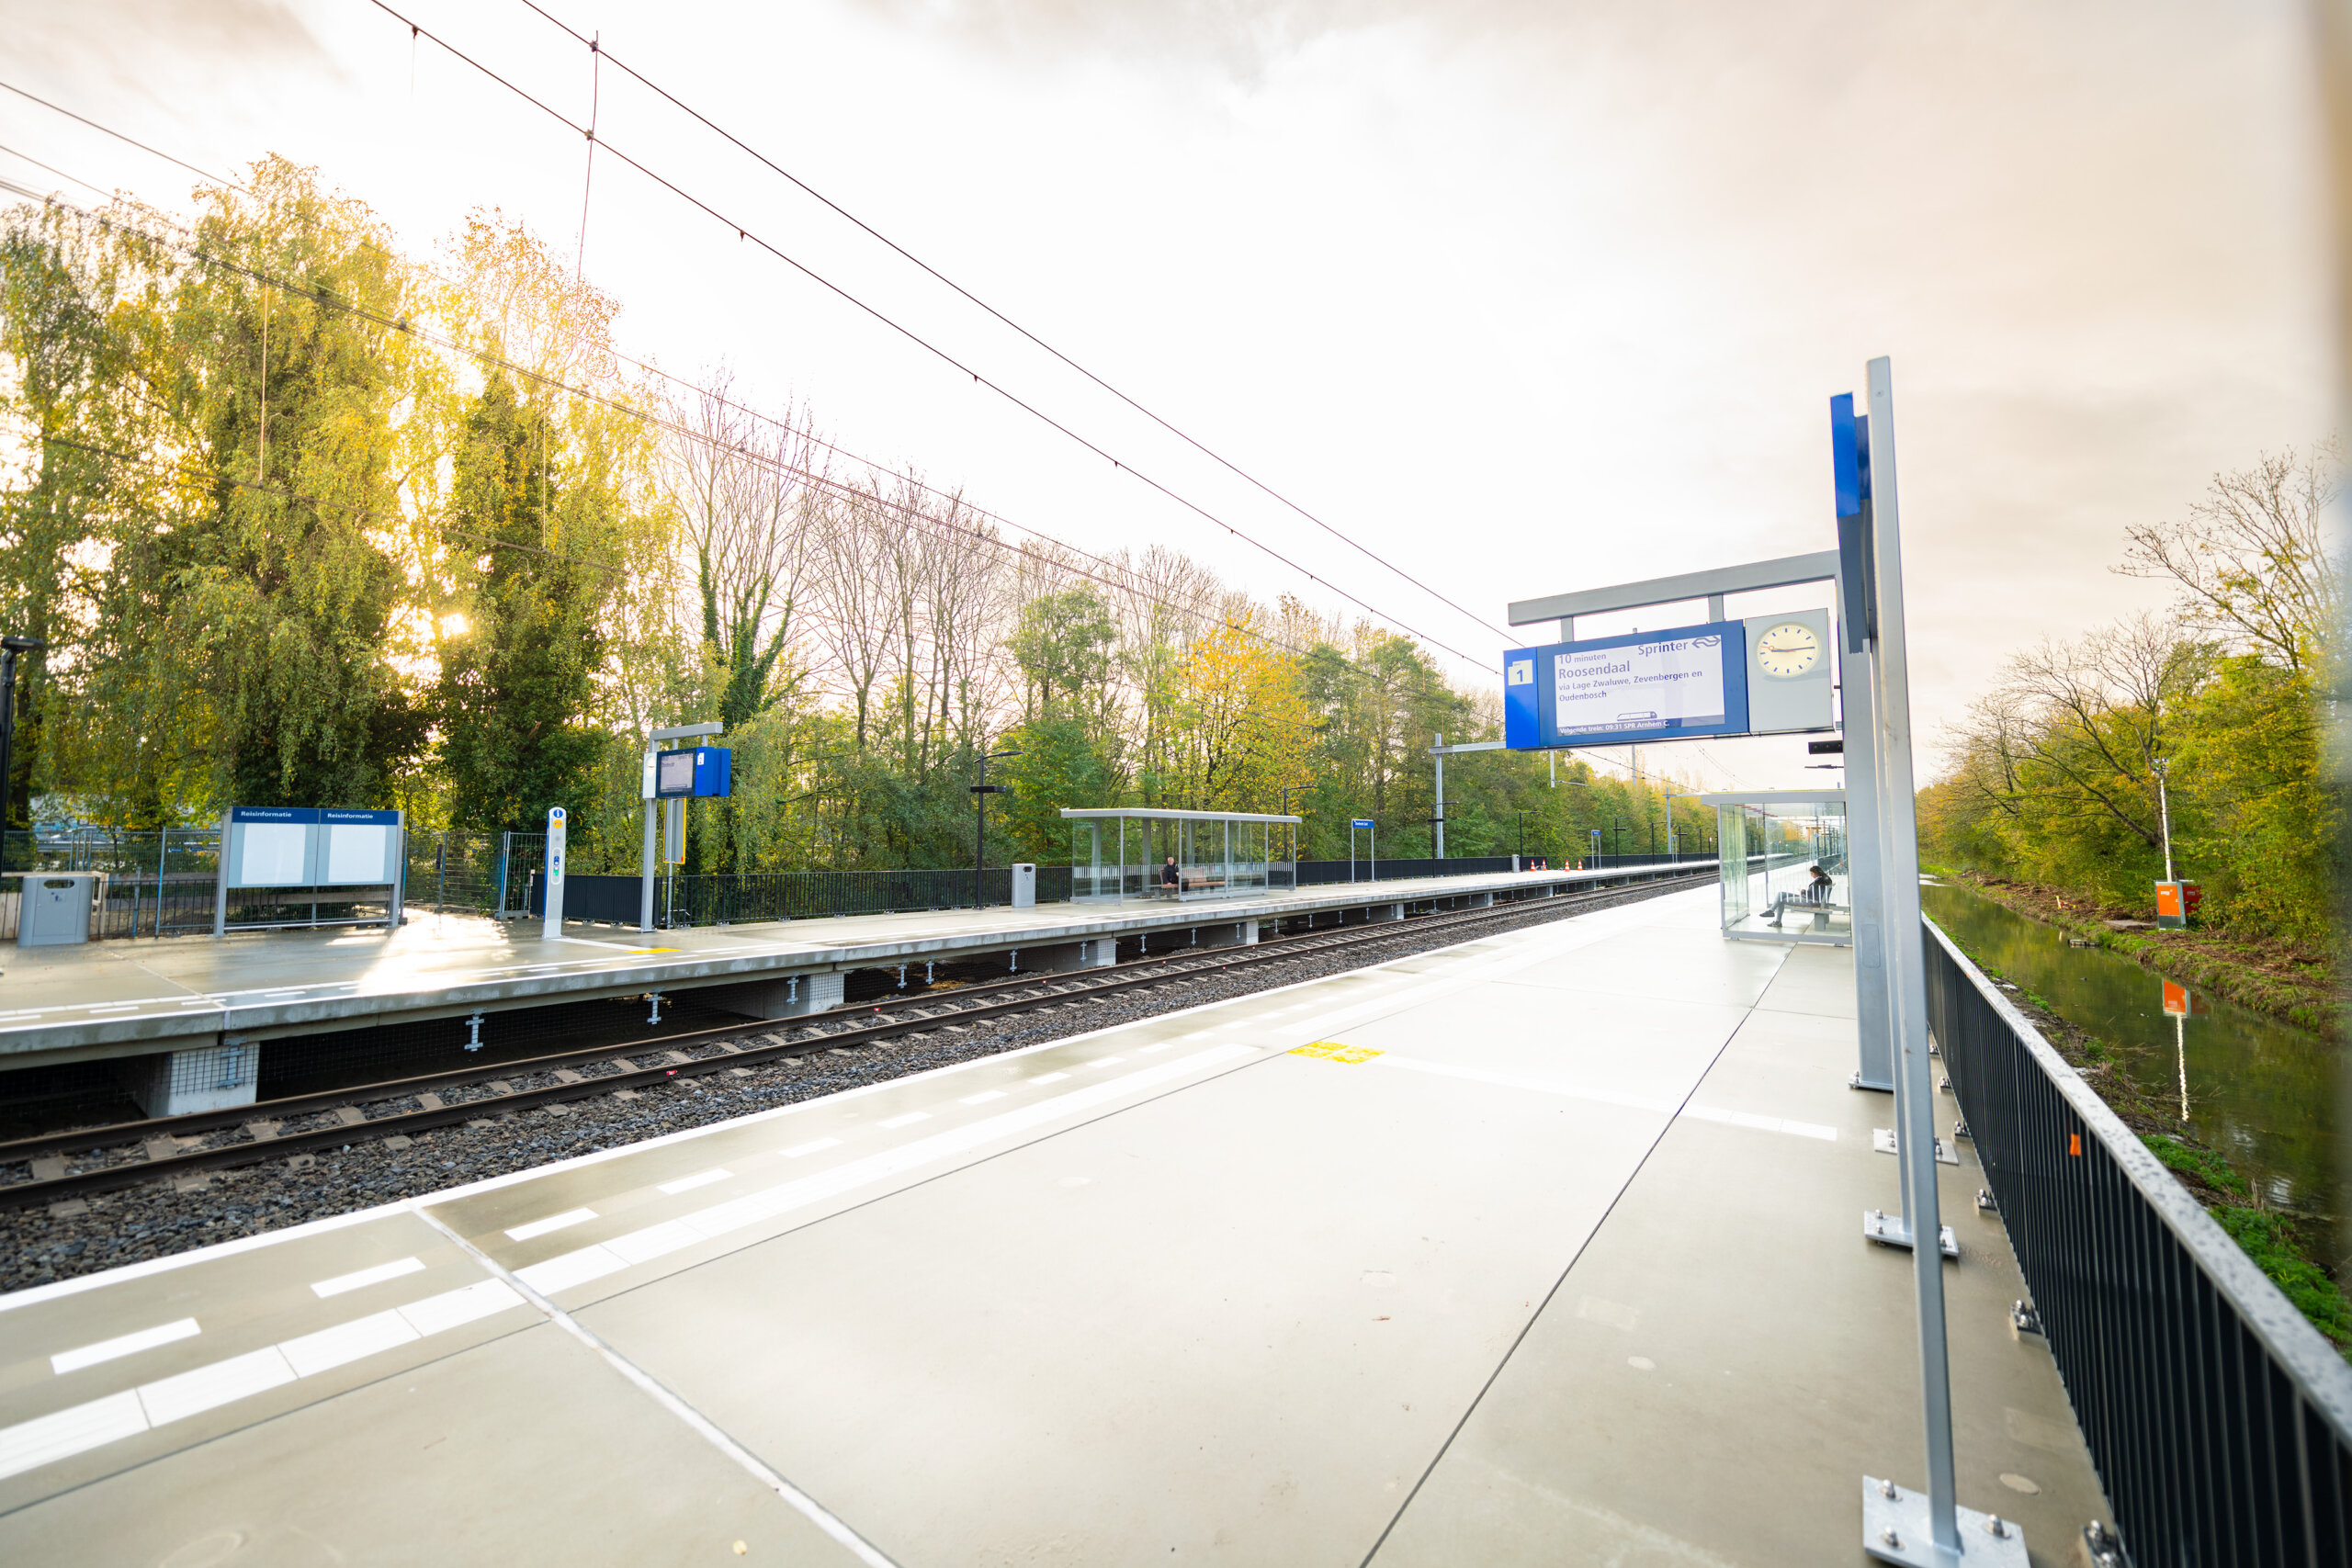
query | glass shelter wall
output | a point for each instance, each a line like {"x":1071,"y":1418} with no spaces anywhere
{"x":1142,"y":853}
{"x":1783,"y":869}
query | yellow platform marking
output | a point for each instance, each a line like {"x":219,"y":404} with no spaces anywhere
{"x":1333,"y":1051}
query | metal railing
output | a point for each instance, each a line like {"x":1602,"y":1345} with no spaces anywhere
{"x":2219,"y":1420}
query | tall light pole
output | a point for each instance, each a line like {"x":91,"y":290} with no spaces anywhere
{"x":980,"y":793}
{"x":2162,"y":766}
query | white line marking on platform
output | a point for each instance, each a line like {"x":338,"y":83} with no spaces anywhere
{"x":193,"y":1392}
{"x":908,"y":1120}
{"x":983,"y":1098}
{"x":688,"y":1183}
{"x":1049,"y":1077}
{"x":454,"y":1309}
{"x":595,"y":1261}
{"x":568,"y":1269}
{"x":382,"y":1271}
{"x":1762,"y":1124}
{"x":63,"y":1433}
{"x":124,"y":1344}
{"x":708,"y":1430}
{"x":552,"y":1223}
{"x":1104,"y":1062}
{"x":1149,"y":1049}
{"x":812,"y":1147}
{"x":330,"y":1347}
{"x":79,"y":1428}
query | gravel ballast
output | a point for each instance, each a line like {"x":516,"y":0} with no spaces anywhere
{"x":171,"y":1215}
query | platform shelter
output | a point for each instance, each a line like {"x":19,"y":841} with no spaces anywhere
{"x":1772,"y":841}
{"x":1122,"y":852}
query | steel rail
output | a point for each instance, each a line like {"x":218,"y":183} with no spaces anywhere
{"x":1064,"y":988}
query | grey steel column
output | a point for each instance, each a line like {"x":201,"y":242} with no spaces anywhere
{"x":1905,"y":965}
{"x":1865,"y":855}
{"x":645,"y":871}
{"x":220,"y":880}
{"x":1438,"y":810}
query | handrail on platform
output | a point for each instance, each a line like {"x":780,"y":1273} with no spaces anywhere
{"x":2219,"y":1418}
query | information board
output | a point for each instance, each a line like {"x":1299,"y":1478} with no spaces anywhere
{"x":1674,"y":684}
{"x":308,"y":846}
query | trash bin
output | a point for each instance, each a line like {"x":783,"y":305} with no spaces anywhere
{"x":1024,"y":885}
{"x":56,"y":907}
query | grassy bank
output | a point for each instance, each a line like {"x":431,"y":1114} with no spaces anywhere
{"x":2269,"y":978}
{"x":2298,"y":1251}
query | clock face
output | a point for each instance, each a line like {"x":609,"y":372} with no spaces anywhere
{"x":1788,"y":651}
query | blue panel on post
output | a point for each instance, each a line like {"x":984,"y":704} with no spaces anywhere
{"x":1521,"y":722}
{"x":714,"y":771}
{"x":1846,"y":455}
{"x":1850,"y":456}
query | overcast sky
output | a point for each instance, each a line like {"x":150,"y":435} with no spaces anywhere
{"x":1525,"y":297}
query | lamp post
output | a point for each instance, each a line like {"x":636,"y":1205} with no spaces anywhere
{"x":980,"y":793}
{"x":2165,"y":812}
{"x":9,"y":648}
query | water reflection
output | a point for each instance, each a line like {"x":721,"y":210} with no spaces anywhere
{"x":2261,"y":1091}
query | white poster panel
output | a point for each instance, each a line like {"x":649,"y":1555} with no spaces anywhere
{"x":358,"y":853}
{"x":274,"y":855}
{"x":1639,"y":686}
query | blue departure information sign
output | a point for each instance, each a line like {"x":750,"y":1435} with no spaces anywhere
{"x":1618,"y":691}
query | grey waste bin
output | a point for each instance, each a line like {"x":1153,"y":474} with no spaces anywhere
{"x":56,"y":907}
{"x":1024,"y":885}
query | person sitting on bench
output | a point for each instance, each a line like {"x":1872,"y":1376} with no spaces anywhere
{"x":1169,"y":878}
{"x":1818,"y":890}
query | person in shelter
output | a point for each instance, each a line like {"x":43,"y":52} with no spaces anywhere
{"x":1168,"y":879}
{"x":1817,"y":891}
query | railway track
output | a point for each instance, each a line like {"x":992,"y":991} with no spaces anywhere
{"x":133,"y":1153}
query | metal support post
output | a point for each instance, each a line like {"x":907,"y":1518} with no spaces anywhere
{"x":1865,"y":848}
{"x":1438,"y":810}
{"x":645,"y":873}
{"x":221,"y":877}
{"x":1936,"y":1540}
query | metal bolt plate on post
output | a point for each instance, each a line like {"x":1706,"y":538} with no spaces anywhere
{"x":1894,"y":1230}
{"x":1883,"y":1140}
{"x":1894,"y":1530}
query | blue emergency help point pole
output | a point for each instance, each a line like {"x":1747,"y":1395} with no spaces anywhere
{"x":551,"y":923}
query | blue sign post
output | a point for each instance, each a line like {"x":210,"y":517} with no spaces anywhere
{"x":1364,"y":824}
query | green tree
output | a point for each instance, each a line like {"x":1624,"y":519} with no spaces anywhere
{"x":518,"y":675}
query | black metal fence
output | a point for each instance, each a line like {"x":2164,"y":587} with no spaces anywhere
{"x":1320,"y":872}
{"x":721,"y":899}
{"x":162,"y":883}
{"x":2219,"y":1420}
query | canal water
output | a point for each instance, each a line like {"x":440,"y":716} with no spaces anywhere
{"x":2261,"y":1091}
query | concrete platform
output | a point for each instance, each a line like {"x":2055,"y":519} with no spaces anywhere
{"x":1543,"y":1249}
{"x":198,"y":995}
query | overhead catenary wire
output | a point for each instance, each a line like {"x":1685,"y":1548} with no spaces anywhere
{"x":742,"y":232}
{"x":1196,"y":615}
{"x":824,"y":482}
{"x":596,"y":46}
